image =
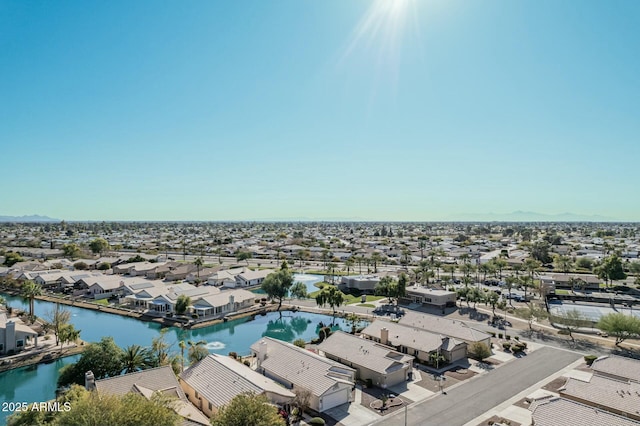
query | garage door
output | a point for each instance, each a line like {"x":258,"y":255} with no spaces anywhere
{"x":334,"y":399}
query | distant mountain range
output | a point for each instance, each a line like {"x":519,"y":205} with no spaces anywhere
{"x":521,"y":216}
{"x":31,"y":218}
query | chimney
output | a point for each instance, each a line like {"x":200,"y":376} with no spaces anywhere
{"x":231,"y":300}
{"x":384,"y":335}
{"x":89,"y":380}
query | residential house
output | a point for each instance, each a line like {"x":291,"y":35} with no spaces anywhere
{"x":160,"y":380}
{"x":251,"y":278}
{"x":617,"y":368}
{"x":430,"y":297}
{"x":415,"y":341}
{"x":447,"y":327}
{"x":564,"y":412}
{"x":363,"y":283}
{"x":224,"y":302}
{"x":15,"y":335}
{"x":380,"y":364}
{"x":330,"y":383}
{"x":180,"y":272}
{"x":214,"y":381}
{"x":614,"y":396}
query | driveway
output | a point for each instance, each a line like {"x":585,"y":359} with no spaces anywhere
{"x":352,"y":414}
{"x":471,"y":399}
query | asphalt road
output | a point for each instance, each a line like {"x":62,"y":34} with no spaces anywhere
{"x":472,"y":399}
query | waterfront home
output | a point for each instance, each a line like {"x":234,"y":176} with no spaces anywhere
{"x":372,"y":361}
{"x":214,"y":381}
{"x":223,"y":303}
{"x":226,"y":277}
{"x":330,"y":383}
{"x":447,"y":327}
{"x":15,"y":335}
{"x":430,"y":297}
{"x":146,"y":383}
{"x":415,"y":341}
{"x":251,"y":278}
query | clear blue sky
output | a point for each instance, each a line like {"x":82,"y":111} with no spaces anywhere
{"x":389,"y":110}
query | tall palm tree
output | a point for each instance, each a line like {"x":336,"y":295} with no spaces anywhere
{"x":29,"y":292}
{"x":198,"y":262}
{"x":183,"y":346}
{"x":135,"y":358}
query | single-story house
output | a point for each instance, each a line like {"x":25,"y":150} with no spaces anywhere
{"x":180,"y":272}
{"x":214,"y":381}
{"x":617,"y":368}
{"x":431,"y":297}
{"x":147,"y":383}
{"x":224,"y":302}
{"x":603,"y":393}
{"x":330,"y":383}
{"x":372,"y":361}
{"x":251,"y":278}
{"x":415,"y":341}
{"x":447,"y":327}
{"x":564,"y":412}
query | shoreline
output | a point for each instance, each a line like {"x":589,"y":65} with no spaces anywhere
{"x":27,"y":359}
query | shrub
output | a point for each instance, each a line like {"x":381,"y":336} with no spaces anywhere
{"x":517,"y":338}
{"x":480,"y":351}
{"x":317,"y":421}
{"x":506,"y":346}
{"x":517,"y":348}
{"x":194,"y":316}
{"x":590,"y":358}
{"x":300,"y":343}
{"x":506,"y":336}
{"x":247,"y":363}
{"x":233,"y":355}
{"x":492,"y":333}
{"x":500,"y":335}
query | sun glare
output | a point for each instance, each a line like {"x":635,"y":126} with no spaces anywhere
{"x":379,"y":35}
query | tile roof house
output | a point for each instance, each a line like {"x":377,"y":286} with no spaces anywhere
{"x":615,"y":396}
{"x":617,"y":367}
{"x":415,"y":341}
{"x":216,"y":380}
{"x":146,"y":383}
{"x":447,"y":327}
{"x":330,"y":383}
{"x":564,"y":412}
{"x":373,"y":361}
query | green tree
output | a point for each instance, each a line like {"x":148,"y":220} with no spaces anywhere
{"x":30,"y":290}
{"x":298,"y":290}
{"x":277,"y":285}
{"x":197,"y":350}
{"x":621,"y":326}
{"x":71,"y":250}
{"x":611,"y":269}
{"x":11,"y":258}
{"x":243,"y":255}
{"x":532,"y":312}
{"x":68,"y":333}
{"x":198,"y":262}
{"x":492,"y":299}
{"x":386,"y":287}
{"x":104,"y":266}
{"x":571,"y":321}
{"x":57,"y":317}
{"x":80,"y":266}
{"x":103,"y":358}
{"x":584,"y":263}
{"x":131,"y":409}
{"x":182,"y":303}
{"x":479,"y":351}
{"x":300,"y":343}
{"x":331,"y":296}
{"x":99,"y":245}
{"x":540,"y":252}
{"x":248,"y":409}
{"x":136,"y":358}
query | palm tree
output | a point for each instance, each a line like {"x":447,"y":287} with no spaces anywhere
{"x":183,"y":346}
{"x":198,"y":262}
{"x":135,"y":358}
{"x":29,"y":292}
{"x":375,"y":259}
{"x":348,"y":264}
{"x":197,"y":350}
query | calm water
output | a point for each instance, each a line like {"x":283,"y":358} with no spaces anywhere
{"x":31,"y":384}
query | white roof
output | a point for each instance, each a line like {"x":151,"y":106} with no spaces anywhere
{"x":447,"y":327}
{"x":411,"y":337}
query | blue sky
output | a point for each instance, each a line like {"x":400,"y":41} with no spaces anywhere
{"x":388,"y":110}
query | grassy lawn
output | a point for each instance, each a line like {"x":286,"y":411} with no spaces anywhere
{"x":102,"y":302}
{"x":366,"y":305}
{"x":562,"y":291}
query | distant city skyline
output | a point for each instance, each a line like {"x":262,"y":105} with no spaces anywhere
{"x":402,"y":110}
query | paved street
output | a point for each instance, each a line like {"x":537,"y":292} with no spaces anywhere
{"x":471,"y":399}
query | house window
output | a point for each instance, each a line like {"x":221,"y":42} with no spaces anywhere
{"x":19,"y":343}
{"x":196,"y":394}
{"x":210,"y":407}
{"x":1,"y":347}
